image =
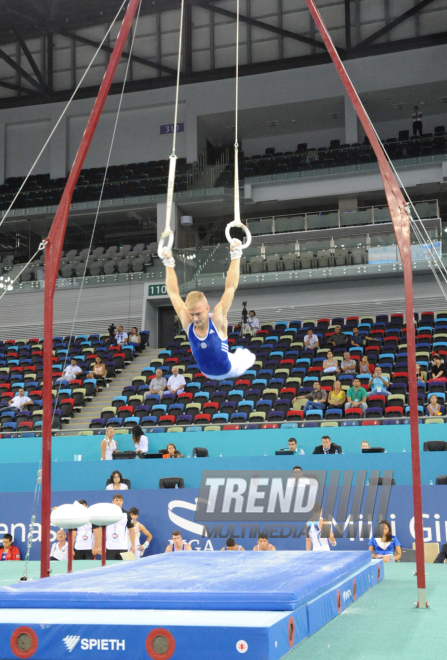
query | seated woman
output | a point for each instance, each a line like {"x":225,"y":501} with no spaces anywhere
{"x":438,"y":370}
{"x":98,"y":371}
{"x":387,"y":547}
{"x":135,"y":339}
{"x":365,"y":368}
{"x":140,"y":440}
{"x":420,"y":375}
{"x":337,"y":397}
{"x":433,"y":407}
{"x":117,"y":482}
{"x":173,"y":452}
{"x":330,"y":365}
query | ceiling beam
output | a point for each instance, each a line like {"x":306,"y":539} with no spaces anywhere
{"x":109,"y":49}
{"x":18,"y":88}
{"x":261,"y":25}
{"x":390,"y":26}
{"x":26,"y":51}
{"x":348,"y":24}
{"x":19,"y":70}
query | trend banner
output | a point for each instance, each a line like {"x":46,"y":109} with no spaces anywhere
{"x":163,"y":511}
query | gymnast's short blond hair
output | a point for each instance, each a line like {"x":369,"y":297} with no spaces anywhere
{"x":195,"y":297}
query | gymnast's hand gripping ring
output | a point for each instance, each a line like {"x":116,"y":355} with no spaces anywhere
{"x":169,"y":234}
{"x":238,"y":223}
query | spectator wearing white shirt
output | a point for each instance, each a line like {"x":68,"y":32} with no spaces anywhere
{"x":59,"y":550}
{"x":176,"y":382}
{"x":121,"y":336}
{"x":140,"y":440}
{"x":253,"y":321}
{"x":72,"y":370}
{"x":310,"y":340}
{"x":117,"y":482}
{"x":20,"y":401}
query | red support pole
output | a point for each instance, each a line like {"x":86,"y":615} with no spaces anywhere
{"x":103,"y":547}
{"x":53,"y":251}
{"x":70,"y":551}
{"x":401,"y":223}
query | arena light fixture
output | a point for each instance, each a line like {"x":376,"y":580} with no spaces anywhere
{"x":5,"y":283}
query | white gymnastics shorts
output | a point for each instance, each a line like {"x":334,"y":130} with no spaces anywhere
{"x":241,"y":360}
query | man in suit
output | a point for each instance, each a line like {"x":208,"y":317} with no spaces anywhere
{"x":327,"y":447}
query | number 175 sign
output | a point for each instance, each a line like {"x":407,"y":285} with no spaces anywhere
{"x":169,"y":128}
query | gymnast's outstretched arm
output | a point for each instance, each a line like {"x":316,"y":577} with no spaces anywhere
{"x":176,"y":299}
{"x":231,"y":283}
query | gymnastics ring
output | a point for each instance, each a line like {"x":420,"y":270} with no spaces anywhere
{"x":238,"y":223}
{"x":170,"y":235}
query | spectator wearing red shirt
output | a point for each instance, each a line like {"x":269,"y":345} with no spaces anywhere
{"x":8,"y":551}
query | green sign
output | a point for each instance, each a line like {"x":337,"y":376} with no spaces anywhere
{"x":156,"y":290}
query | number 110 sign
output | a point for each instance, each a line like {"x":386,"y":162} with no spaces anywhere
{"x":156,"y":290}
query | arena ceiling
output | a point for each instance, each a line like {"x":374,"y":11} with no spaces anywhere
{"x":45,"y":44}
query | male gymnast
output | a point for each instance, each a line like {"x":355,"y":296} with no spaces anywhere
{"x":208,"y":333}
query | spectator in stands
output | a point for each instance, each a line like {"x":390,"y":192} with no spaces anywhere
{"x":348,"y":365}
{"x":84,"y":540}
{"x":59,"y":549}
{"x":230,"y":544}
{"x":139,"y":529}
{"x":177,"y":544}
{"x":293,"y":446}
{"x":327,"y":447}
{"x":20,"y":401}
{"x":316,"y":399}
{"x":158,"y":384}
{"x":98,"y":372}
{"x":116,"y":534}
{"x":337,"y":339}
{"x":108,"y":446}
{"x":8,"y":551}
{"x":365,"y":368}
{"x":117,"y":482}
{"x":253,"y":322}
{"x":386,"y":547}
{"x":417,"y":121}
{"x":121,"y":337}
{"x":176,"y":382}
{"x":173,"y":452}
{"x":135,"y":339}
{"x":263,"y":544}
{"x":433,"y":407}
{"x":438,"y":370}
{"x":72,"y":370}
{"x":311,"y":341}
{"x":141,"y":443}
{"x":356,"y":340}
{"x":330,"y":364}
{"x":434,"y":356}
{"x":337,"y":396}
{"x":378,"y":384}
{"x":356,"y":396}
{"x":364,"y":444}
{"x":420,"y":375}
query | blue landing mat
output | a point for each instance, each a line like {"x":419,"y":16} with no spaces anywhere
{"x":267,"y":581}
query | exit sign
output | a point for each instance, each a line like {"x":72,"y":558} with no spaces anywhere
{"x":156,"y":290}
